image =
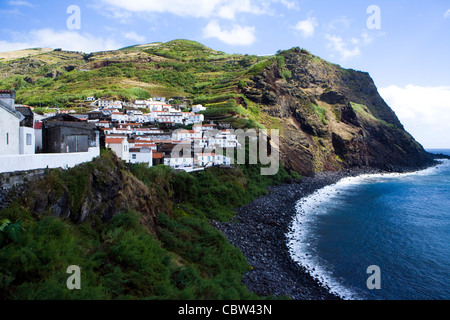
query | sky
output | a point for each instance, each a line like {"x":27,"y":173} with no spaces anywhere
{"x":403,"y":44}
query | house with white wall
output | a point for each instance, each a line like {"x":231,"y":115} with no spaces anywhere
{"x":197,"y":108}
{"x":120,"y":146}
{"x":141,"y":155}
{"x":205,"y":159}
{"x":178,"y":162}
{"x":9,"y":124}
{"x":119,"y":117}
{"x":27,"y":139}
{"x":186,"y":135}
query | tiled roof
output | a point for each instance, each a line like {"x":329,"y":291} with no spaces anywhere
{"x":114,"y":140}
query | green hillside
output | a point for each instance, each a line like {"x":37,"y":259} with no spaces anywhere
{"x":176,"y":68}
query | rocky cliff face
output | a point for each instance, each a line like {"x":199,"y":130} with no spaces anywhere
{"x":92,"y":192}
{"x":332,"y":118}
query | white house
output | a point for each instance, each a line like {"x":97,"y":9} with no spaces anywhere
{"x":197,"y":108}
{"x":222,"y":160}
{"x":186,"y":135}
{"x":119,"y":117}
{"x":195,"y":118}
{"x":178,"y":162}
{"x":205,"y":159}
{"x":141,"y":155}
{"x":109,"y":104}
{"x":9,"y":124}
{"x":120,"y":146}
{"x":27,"y":143}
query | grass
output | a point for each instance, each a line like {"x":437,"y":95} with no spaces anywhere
{"x":321,"y":113}
{"x":363,"y":111}
{"x":183,"y":258}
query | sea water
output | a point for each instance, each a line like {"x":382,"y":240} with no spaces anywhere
{"x":397,"y":222}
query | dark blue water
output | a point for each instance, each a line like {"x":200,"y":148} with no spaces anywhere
{"x":400,"y":223}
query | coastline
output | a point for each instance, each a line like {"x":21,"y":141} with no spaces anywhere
{"x":259,"y":230}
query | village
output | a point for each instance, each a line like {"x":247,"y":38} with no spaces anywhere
{"x":150,"y":131}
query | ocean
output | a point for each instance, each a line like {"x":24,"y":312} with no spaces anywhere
{"x":399,"y":223}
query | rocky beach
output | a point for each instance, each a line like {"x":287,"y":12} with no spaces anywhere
{"x":259,"y":230}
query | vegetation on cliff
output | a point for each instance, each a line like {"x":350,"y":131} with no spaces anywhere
{"x":154,"y":242}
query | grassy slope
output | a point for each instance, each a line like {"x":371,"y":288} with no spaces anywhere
{"x":177,"y":68}
{"x":183,"y":258}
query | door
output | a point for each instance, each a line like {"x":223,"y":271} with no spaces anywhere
{"x":77,"y":143}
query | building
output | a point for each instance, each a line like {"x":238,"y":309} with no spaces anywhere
{"x":186,"y":135}
{"x":109,"y":104}
{"x":9,"y":123}
{"x":27,"y":136}
{"x":197,"y":108}
{"x":120,"y":146}
{"x":141,"y":155}
{"x":178,"y":162}
{"x":205,"y":159}
{"x":67,"y":134}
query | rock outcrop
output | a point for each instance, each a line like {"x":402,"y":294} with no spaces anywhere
{"x":332,"y":118}
{"x":93,"y":191}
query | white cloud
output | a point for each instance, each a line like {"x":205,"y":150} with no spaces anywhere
{"x":237,"y":35}
{"x":447,"y":14}
{"x":424,"y":111}
{"x":339,"y":46}
{"x":21,"y":3}
{"x":67,"y":40}
{"x":348,"y":49}
{"x":134,"y":37}
{"x":291,"y":5}
{"x":341,"y":23}
{"x":226,"y":9}
{"x":307,"y":27}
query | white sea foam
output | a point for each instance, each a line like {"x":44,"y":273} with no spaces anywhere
{"x":310,"y":207}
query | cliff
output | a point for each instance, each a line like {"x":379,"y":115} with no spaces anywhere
{"x":93,"y":192}
{"x":332,"y":118}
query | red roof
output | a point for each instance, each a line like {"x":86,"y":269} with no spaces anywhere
{"x":114,"y":140}
{"x":157,"y":155}
{"x":144,"y":145}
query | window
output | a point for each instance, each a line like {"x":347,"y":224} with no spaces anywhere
{"x":134,"y":156}
{"x":7,"y":138}
{"x":28,"y":139}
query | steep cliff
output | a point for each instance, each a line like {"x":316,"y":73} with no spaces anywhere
{"x":93,"y":192}
{"x":332,"y":118}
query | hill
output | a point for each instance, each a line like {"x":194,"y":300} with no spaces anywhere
{"x":329,"y":118}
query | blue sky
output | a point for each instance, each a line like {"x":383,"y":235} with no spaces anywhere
{"x":405,"y":48}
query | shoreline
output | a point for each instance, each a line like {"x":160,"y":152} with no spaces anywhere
{"x":259,"y":229}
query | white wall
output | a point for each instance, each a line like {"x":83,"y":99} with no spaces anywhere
{"x":24,"y":147}
{"x":9,"y":126}
{"x":122,"y":150}
{"x":142,"y":157}
{"x":24,"y":162}
{"x":38,"y":140}
{"x":179,"y":163}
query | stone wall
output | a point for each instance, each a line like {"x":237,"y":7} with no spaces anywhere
{"x":13,"y":184}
